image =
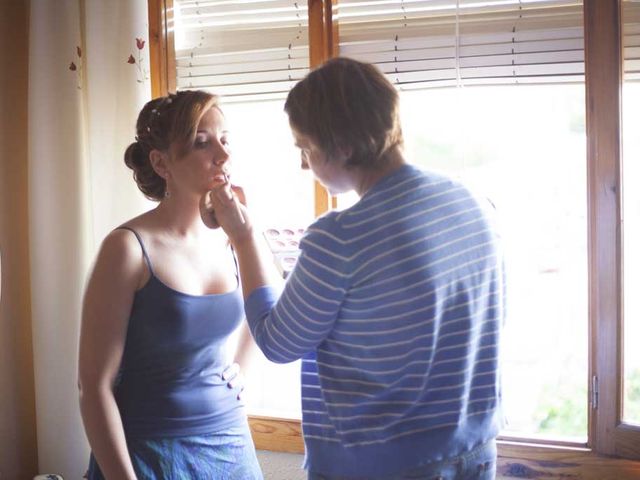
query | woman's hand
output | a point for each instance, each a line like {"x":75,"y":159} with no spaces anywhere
{"x":234,"y":378}
{"x":224,"y":206}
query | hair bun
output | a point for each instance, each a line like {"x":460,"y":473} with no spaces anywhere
{"x":133,"y":155}
{"x":149,"y":182}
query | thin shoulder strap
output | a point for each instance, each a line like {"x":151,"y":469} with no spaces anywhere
{"x":144,"y":250}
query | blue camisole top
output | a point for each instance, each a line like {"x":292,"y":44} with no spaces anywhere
{"x":170,"y":380}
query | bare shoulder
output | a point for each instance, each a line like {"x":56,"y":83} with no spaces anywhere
{"x":123,"y":242}
{"x":120,"y":244}
{"x":121,"y":259}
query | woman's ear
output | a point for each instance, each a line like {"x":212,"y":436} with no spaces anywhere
{"x":344,"y":153}
{"x":159,"y":162}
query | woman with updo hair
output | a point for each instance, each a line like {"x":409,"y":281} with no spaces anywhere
{"x":159,"y":395}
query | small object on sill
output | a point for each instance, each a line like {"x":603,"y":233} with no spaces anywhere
{"x":284,"y":244}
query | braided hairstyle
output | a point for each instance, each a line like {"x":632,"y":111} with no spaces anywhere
{"x":167,"y":124}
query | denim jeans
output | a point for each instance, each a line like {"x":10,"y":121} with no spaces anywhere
{"x":477,"y":464}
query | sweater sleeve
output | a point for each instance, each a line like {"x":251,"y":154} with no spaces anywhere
{"x":288,"y":327}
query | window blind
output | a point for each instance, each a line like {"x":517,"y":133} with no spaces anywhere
{"x":433,"y":43}
{"x":243,"y":50}
{"x":631,"y":39}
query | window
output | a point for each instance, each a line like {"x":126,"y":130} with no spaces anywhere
{"x":510,"y":82}
{"x":631,"y":210}
{"x":500,"y":141}
{"x":478,"y":82}
{"x":631,"y":122}
{"x":251,"y":53}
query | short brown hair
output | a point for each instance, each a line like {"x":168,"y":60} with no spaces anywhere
{"x":347,"y":104}
{"x":164,"y":124}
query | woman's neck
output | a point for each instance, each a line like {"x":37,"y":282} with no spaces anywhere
{"x":365,"y":179}
{"x":180,"y":216}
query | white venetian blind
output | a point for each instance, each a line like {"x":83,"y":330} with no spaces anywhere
{"x":241,"y":49}
{"x":631,"y":42}
{"x":433,"y":43}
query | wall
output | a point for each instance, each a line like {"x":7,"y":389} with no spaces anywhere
{"x":18,"y":450}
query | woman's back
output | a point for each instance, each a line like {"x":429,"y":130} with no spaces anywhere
{"x":408,"y":285}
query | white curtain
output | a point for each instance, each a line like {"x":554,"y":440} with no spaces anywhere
{"x":84,"y":96}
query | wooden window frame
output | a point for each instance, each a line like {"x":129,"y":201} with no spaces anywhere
{"x":608,"y":436}
{"x":322,"y":46}
{"x":604,"y":80}
{"x":162,"y":52}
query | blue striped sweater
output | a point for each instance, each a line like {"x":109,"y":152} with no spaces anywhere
{"x":395,"y":306}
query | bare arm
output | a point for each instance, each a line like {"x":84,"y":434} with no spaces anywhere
{"x":106,"y":309}
{"x":246,"y":349}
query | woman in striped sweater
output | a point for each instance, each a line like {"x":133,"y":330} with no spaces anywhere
{"x":395,"y":304}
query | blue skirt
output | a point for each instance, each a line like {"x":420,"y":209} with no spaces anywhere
{"x":226,"y":455}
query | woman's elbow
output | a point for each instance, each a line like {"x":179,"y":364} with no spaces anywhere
{"x":91,"y":389}
{"x":275,"y":350}
{"x":276,"y":355}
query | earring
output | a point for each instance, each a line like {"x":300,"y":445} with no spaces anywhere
{"x":167,"y":193}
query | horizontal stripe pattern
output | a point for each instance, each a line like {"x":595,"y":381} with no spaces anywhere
{"x":395,"y":306}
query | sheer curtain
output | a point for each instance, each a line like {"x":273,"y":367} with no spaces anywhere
{"x":88,"y":78}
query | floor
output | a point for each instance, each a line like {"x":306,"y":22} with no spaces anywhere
{"x":281,"y":466}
